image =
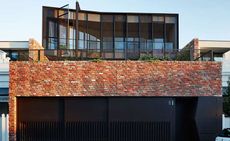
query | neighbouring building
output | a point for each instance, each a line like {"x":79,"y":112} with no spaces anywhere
{"x":4,"y":83}
{"x":16,"y":50}
{"x":112,"y":100}
{"x":212,"y":50}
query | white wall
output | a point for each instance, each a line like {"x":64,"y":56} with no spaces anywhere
{"x":4,"y":127}
{"x":4,"y":74}
{"x":225,"y":68}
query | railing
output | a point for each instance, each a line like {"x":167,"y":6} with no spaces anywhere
{"x":4,"y":127}
{"x":114,"y":54}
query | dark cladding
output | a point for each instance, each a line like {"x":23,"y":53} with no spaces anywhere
{"x":108,"y":35}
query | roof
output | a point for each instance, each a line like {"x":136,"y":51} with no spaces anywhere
{"x":14,"y":44}
{"x":103,"y":12}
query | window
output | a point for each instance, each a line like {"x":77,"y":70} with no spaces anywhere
{"x":94,"y":35}
{"x":119,"y":36}
{"x":82,"y":35}
{"x":4,"y":91}
{"x":107,"y":36}
{"x":146,"y":34}
{"x":52,"y":39}
{"x":170,"y":40}
{"x":158,"y":33}
{"x":133,"y":37}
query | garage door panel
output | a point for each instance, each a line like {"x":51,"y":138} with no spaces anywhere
{"x":38,"y":109}
{"x":140,"y":109}
{"x":85,"y":109}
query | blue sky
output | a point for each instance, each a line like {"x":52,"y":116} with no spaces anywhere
{"x":205,"y":19}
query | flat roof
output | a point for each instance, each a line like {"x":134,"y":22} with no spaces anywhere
{"x":101,"y":12}
{"x":14,"y":44}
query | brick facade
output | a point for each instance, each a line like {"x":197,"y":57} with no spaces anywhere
{"x":111,"y":78}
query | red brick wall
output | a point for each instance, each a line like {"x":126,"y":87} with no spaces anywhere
{"x":111,"y":78}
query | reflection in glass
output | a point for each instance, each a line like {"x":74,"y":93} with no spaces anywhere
{"x":132,"y":50}
{"x":170,"y":33}
{"x":107,"y":36}
{"x":145,"y":34}
{"x":119,"y":36}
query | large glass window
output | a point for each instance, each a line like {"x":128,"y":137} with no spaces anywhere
{"x":52,"y":35}
{"x":170,"y":41}
{"x":119,"y":36}
{"x":146,"y":34}
{"x":94,"y":35}
{"x":62,"y":36}
{"x":82,"y":35}
{"x":132,"y":50}
{"x":107,"y":36}
{"x":158,"y":35}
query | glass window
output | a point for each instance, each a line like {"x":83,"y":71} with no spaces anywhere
{"x":14,"y":56}
{"x":170,"y":19}
{"x":52,"y":38}
{"x":107,"y":36}
{"x":146,"y":33}
{"x":82,"y":16}
{"x":94,"y":17}
{"x":170,"y":40}
{"x":158,"y":37}
{"x":62,"y":36}
{"x":132,"y":19}
{"x":94,"y":28}
{"x":158,"y":19}
{"x":82,"y":35}
{"x":4,"y":91}
{"x":119,"y":38}
{"x":52,"y":29}
{"x":132,"y":50}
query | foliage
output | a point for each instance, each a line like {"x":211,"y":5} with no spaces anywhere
{"x":96,"y":60}
{"x":153,"y":58}
{"x":183,"y":55}
{"x":226,"y":103}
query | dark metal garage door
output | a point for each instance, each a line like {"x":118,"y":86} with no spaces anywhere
{"x":95,"y":119}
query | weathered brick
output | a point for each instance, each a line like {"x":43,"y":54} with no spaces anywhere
{"x":111,"y":78}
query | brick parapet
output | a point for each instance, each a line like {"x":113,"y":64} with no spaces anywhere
{"x":111,"y":78}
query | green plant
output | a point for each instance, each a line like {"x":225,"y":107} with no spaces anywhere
{"x":148,"y":58}
{"x":183,"y":55}
{"x":96,"y":60}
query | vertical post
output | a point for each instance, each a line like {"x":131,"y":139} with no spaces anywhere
{"x":7,"y":127}
{"x":101,"y":38}
{"x":3,"y":127}
{"x":0,"y":127}
{"x":39,"y":55}
{"x":164,"y":38}
{"x":113,"y":40}
{"x":126,"y":36}
{"x":76,"y":28}
{"x":212,"y":55}
{"x":139,"y":36}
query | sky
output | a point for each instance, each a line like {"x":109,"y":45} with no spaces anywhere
{"x":203,"y":19}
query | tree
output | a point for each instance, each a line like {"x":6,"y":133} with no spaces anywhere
{"x":226,"y":103}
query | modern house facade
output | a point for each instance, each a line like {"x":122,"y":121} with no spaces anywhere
{"x":90,"y":34}
{"x":112,"y":100}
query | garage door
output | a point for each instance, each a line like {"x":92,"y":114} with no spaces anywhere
{"x":95,"y":119}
